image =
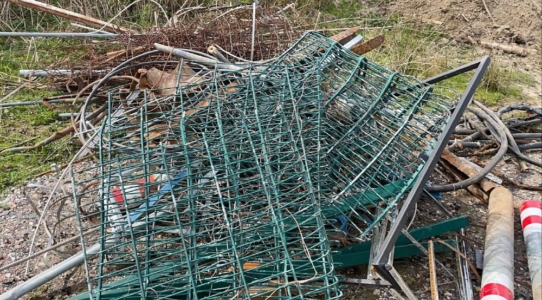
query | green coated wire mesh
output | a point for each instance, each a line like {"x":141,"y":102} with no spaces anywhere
{"x":238,"y":183}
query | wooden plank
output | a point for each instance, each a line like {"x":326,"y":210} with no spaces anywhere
{"x":72,"y":16}
{"x":343,"y":36}
{"x":468,"y":170}
{"x":369,"y":45}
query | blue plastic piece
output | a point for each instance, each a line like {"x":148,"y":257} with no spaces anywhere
{"x":436,"y":195}
{"x":152,"y":200}
{"x":343,"y":222}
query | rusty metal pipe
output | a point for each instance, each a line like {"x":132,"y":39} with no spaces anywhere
{"x":498,"y":276}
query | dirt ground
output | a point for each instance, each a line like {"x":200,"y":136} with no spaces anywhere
{"x":511,"y":22}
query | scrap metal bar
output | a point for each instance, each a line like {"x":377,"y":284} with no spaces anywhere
{"x":345,"y":36}
{"x":465,"y":291}
{"x":44,"y":73}
{"x":369,"y":45}
{"x":404,"y":287}
{"x":191,"y":56}
{"x":460,"y":70}
{"x":362,"y":281}
{"x":432,"y":271}
{"x":51,"y":273}
{"x":37,"y":102}
{"x":378,"y":238}
{"x":423,"y":250}
{"x":418,"y":234}
{"x":357,"y":39}
{"x":394,"y":275}
{"x":481,"y":67}
{"x":403,"y":251}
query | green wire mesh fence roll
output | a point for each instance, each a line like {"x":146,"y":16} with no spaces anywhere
{"x":236,"y":184}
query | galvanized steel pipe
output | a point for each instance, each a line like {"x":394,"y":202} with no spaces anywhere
{"x":531,"y":223}
{"x":44,"y":73}
{"x":195,"y":57}
{"x":498,"y":276}
{"x":50,"y":274}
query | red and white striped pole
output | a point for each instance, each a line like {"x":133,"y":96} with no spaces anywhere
{"x":531,"y":222}
{"x":498,"y":276}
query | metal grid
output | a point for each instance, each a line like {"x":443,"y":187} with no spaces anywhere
{"x":237,"y":183}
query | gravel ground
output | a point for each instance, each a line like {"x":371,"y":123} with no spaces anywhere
{"x":20,"y":214}
{"x":20,"y":209}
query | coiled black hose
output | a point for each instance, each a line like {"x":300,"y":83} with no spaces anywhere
{"x":503,"y":140}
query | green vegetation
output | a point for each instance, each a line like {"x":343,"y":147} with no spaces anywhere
{"x":25,"y":126}
{"x":418,"y":50}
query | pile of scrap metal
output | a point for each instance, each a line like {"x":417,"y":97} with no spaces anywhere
{"x":220,"y":177}
{"x":258,"y":178}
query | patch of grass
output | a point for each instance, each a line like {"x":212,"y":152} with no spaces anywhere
{"x":25,"y":126}
{"x":500,"y":82}
{"x":419,"y":51}
{"x":423,"y":51}
{"x":341,"y":9}
{"x":522,"y":78}
{"x":489,"y":93}
{"x":16,"y":54}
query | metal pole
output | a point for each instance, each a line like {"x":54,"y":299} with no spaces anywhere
{"x":50,"y":274}
{"x":379,"y":262}
{"x":44,"y":73}
{"x":195,"y":57}
{"x":498,"y":276}
{"x":531,"y":222}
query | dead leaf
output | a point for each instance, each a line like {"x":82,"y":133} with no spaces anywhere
{"x":165,"y":82}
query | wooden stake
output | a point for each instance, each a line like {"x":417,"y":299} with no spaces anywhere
{"x":75,"y":17}
{"x":369,"y":45}
{"x":344,"y":35}
{"x":468,"y":170}
{"x":520,"y":51}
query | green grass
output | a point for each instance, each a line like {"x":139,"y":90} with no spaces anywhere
{"x":27,"y":125}
{"x":489,"y":93}
{"x":341,"y":9}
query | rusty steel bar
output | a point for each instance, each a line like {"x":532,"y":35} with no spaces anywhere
{"x":531,"y":223}
{"x":432,"y":271}
{"x":498,"y":276}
